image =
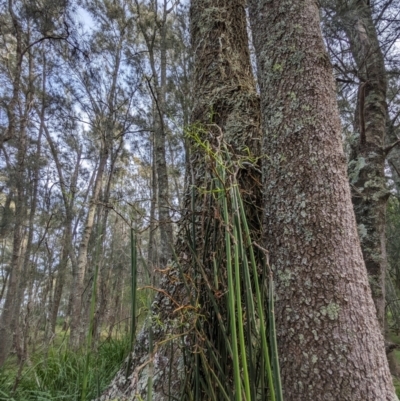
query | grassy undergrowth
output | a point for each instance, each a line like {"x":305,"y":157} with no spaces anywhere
{"x":394,"y":358}
{"x":59,"y":374}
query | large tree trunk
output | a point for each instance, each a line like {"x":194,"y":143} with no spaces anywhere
{"x":329,"y":339}
{"x":227,"y":106}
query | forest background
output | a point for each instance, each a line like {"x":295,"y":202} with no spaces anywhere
{"x":96,"y":100}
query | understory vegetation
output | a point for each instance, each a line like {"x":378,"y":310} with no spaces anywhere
{"x":58,"y":373}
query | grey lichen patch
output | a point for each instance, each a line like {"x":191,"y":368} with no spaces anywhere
{"x":384,"y":193}
{"x":296,"y":58}
{"x":308,"y":235}
{"x":298,"y":28}
{"x":362,"y":232}
{"x":331,"y":310}
{"x":277,"y":67}
{"x":355,"y":166}
{"x":285,"y":277}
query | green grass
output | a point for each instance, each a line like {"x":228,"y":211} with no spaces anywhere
{"x":394,"y":360}
{"x":396,"y":383}
{"x":59,"y":375}
{"x":396,"y":380}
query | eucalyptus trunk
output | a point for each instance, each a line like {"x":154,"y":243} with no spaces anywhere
{"x":151,"y":249}
{"x":156,"y":42}
{"x":8,"y":318}
{"x":68,"y":195}
{"x":12,"y":107}
{"x":17,"y":131}
{"x":329,"y":338}
{"x":77,"y":327}
{"x":79,"y":220}
{"x":102,"y":285}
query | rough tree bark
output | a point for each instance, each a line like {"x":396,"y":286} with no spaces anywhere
{"x":329,"y":339}
{"x":226,"y":105}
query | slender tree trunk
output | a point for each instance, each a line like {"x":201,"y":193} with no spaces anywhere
{"x":104,"y":270}
{"x":28,"y":268}
{"x":8,"y":318}
{"x":76,"y":327}
{"x":329,"y":338}
{"x":7,"y":216}
{"x":152,"y":250}
{"x":164,"y":219}
{"x":12,"y":107}
{"x":68,"y":316}
{"x":165,"y":224}
{"x":10,"y":314}
{"x":68,"y":196}
{"x":158,"y":90}
{"x":5,"y":274}
{"x":60,"y":280}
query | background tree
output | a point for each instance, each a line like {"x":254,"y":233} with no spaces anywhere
{"x":369,"y":142}
{"x":21,"y":31}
